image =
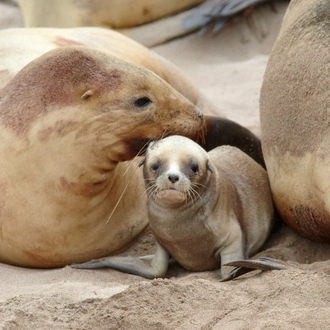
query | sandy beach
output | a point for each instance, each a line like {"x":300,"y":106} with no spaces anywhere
{"x":228,"y":68}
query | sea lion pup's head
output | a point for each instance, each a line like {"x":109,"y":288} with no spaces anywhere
{"x":86,"y":92}
{"x":176,"y":170}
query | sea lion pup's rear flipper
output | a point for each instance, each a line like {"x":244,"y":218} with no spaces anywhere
{"x":133,"y":265}
{"x":246,"y":266}
{"x":221,"y":131}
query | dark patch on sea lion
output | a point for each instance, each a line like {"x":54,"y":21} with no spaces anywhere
{"x":310,"y":222}
{"x":59,"y":80}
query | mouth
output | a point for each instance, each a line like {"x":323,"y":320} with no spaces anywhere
{"x":171,"y":196}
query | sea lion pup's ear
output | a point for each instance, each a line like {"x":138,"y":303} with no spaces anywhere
{"x":208,"y":167}
{"x":142,"y":161}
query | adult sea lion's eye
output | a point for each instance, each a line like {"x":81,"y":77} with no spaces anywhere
{"x":142,"y":102}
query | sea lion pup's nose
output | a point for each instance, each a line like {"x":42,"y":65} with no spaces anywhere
{"x":173,"y":178}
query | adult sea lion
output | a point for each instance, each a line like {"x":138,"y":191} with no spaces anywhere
{"x":70,"y":122}
{"x":294,"y":114}
{"x":103,"y":13}
{"x":205,"y":209}
{"x":18,"y":47}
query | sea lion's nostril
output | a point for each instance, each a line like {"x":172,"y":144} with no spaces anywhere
{"x":173,"y":178}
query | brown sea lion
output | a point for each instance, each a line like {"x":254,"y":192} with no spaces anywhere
{"x":205,"y":209}
{"x":70,"y":123}
{"x":294,"y":114}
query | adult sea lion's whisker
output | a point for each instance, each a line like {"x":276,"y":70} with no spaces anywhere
{"x":131,"y":163}
{"x":120,"y":198}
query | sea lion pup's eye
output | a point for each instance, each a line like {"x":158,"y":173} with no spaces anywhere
{"x":142,"y":102}
{"x":154,"y":167}
{"x":194,"y":168}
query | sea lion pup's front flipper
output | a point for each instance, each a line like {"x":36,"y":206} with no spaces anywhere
{"x":246,"y":266}
{"x":139,"y":266}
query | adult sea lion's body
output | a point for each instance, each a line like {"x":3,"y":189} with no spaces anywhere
{"x":294,"y":106}
{"x":104,"y":13}
{"x":205,"y":209}
{"x":69,"y":122}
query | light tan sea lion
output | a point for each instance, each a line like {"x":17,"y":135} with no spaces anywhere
{"x":70,"y":122}
{"x":103,"y":13}
{"x":294,"y":106}
{"x":205,"y":209}
{"x":18,"y":47}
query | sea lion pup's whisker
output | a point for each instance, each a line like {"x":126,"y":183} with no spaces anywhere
{"x":148,"y":181}
{"x":197,"y":184}
{"x":150,"y":190}
{"x":190,"y":196}
{"x":195,"y":193}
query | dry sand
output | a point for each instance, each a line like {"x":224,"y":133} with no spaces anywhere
{"x":228,"y":68}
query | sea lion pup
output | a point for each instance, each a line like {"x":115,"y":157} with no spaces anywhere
{"x":294,"y":117}
{"x":205,"y":209}
{"x":70,"y":122}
